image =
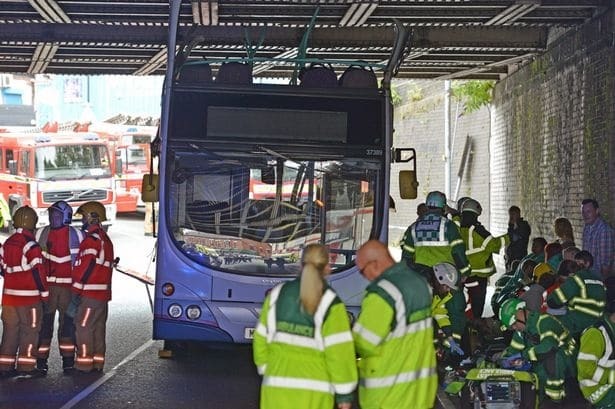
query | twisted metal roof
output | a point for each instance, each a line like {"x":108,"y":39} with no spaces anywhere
{"x":450,"y":38}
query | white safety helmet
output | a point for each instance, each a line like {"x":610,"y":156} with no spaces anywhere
{"x":446,"y":274}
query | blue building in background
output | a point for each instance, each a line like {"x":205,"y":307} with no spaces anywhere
{"x":83,"y":98}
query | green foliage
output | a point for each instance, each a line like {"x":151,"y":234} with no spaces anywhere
{"x":474,"y":94}
{"x":396,"y":99}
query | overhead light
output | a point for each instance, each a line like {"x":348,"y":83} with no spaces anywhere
{"x":50,"y":11}
{"x":205,"y":12}
{"x":157,"y":61}
{"x":513,"y":12}
{"x":357,"y":14}
{"x":43,"y":54}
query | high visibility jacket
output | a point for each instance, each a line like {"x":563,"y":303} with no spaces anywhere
{"x":306,"y":361}
{"x":24,"y":272}
{"x":394,"y":339}
{"x":596,"y":364}
{"x":5,"y":212}
{"x":480,"y":246}
{"x":94,"y":265}
{"x":434,"y":239}
{"x":585,"y":297}
{"x":60,"y":249}
{"x":545,"y":335}
{"x":449,"y":313}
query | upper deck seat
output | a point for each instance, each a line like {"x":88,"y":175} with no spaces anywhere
{"x":200,"y":73}
{"x":234,"y":72}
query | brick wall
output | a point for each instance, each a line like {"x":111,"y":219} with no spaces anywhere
{"x":553,"y":130}
{"x":419,"y":123}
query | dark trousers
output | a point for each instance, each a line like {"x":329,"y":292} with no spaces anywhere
{"x":477,"y":290}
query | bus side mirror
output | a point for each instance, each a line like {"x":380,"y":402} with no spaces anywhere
{"x":13,"y":167}
{"x":149,"y":188}
{"x":408,"y":185}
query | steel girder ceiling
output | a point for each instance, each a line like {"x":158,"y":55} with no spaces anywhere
{"x":450,"y":38}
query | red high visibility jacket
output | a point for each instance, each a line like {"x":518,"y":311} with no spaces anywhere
{"x":60,"y":250}
{"x":94,"y":265}
{"x":24,"y":271}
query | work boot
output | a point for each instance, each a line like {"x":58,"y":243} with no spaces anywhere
{"x":41,"y":364}
{"x":33,"y":374}
{"x":68,"y":364}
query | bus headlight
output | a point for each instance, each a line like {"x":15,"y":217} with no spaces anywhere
{"x":193,"y":312}
{"x":175,"y":310}
{"x":168,"y":289}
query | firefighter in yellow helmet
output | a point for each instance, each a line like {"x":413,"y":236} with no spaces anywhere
{"x":25,"y":292}
{"x":91,"y":289}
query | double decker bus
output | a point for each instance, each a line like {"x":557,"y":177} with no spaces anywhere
{"x":38,"y":169}
{"x":249,"y":175}
{"x":131,"y":159}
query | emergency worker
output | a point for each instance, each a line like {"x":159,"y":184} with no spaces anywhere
{"x":480,"y":246}
{"x":448,"y":307}
{"x":583,"y":295}
{"x":303,"y":345}
{"x":543,"y":341}
{"x":60,"y":243}
{"x":394,"y":334}
{"x":596,"y":362}
{"x":91,"y":289}
{"x":24,"y":297}
{"x":434,"y":239}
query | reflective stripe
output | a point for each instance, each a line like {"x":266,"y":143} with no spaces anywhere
{"x":56,"y":259}
{"x":403,"y":377}
{"x":599,"y":393}
{"x":319,"y":316}
{"x":408,"y":248}
{"x":338,"y":338}
{"x":471,"y":284}
{"x":261,"y":369}
{"x":400,"y":307}
{"x":59,"y":280}
{"x":431,"y":244}
{"x":22,"y":293}
{"x":298,"y":383}
{"x":271,"y":316}
{"x":91,"y":287}
{"x":604,"y":361}
{"x":298,"y":340}
{"x":583,"y":356}
{"x":366,"y":334}
{"x":261,"y":329}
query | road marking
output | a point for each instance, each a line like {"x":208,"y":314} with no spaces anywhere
{"x":108,"y":375}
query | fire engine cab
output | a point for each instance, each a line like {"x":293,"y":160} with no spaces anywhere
{"x":38,"y":169}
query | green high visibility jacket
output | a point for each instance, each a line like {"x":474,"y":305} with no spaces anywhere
{"x":434,"y":239}
{"x":394,"y":339}
{"x":596,"y":364}
{"x":306,"y":361}
{"x":480,"y":246}
{"x":546,"y":338}
{"x":585,"y":297}
{"x":449,"y":314}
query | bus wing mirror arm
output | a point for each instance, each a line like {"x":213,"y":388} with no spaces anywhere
{"x":401,"y":48}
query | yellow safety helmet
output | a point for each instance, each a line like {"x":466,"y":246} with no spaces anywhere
{"x":25,"y":218}
{"x":93,"y":209}
{"x":542,"y":268}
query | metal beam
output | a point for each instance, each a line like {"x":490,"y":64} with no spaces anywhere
{"x":531,"y":38}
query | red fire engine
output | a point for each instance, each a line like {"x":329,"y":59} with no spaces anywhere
{"x":131,"y":160}
{"x":38,"y":169}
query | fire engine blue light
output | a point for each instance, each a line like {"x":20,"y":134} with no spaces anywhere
{"x":90,"y":137}
{"x":42,"y":138}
